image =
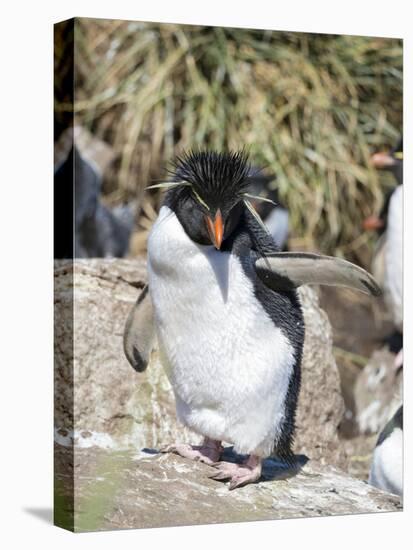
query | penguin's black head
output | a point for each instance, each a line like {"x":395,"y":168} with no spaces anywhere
{"x":209,"y":193}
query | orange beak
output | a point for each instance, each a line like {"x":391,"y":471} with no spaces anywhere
{"x":373,"y":222}
{"x":215,"y":229}
{"x":382,"y":160}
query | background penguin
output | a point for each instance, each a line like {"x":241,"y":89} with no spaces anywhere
{"x":387,"y":262}
{"x":391,"y":161}
{"x":387,"y":467}
{"x":228,"y":320}
{"x":98,"y":231}
{"x":274,"y":214}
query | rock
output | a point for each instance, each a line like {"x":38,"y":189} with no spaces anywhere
{"x":378,"y":392}
{"x":358,"y":323}
{"x":116,"y":406}
{"x":119,"y":408}
{"x":120,"y":490}
{"x":359,"y":451}
{"x":321,"y":405}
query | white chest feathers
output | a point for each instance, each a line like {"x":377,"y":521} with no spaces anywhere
{"x":387,"y":467}
{"x":228,"y":364}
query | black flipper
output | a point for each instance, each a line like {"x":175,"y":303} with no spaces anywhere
{"x":139,"y":333}
{"x":289,"y":270}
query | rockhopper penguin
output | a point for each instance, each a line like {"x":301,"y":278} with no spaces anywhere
{"x":387,"y":264}
{"x":222,"y":301}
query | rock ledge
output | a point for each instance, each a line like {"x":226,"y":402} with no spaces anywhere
{"x":118,"y":490}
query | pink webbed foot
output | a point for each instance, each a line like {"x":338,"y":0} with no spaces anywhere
{"x":209,"y":452}
{"x":239,"y":474}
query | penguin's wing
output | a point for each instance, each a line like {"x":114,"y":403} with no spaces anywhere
{"x":289,"y":270}
{"x":139,"y":333}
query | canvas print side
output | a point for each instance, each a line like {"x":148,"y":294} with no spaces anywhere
{"x":64,"y":492}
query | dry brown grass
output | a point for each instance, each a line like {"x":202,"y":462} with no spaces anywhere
{"x":310,"y":108}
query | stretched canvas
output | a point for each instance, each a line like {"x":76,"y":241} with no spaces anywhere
{"x":228,"y":274}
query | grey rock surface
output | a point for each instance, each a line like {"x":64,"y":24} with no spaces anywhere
{"x":113,"y":405}
{"x":118,"y":490}
{"x":116,"y":407}
{"x":321,"y":405}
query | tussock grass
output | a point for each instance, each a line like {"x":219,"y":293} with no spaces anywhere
{"x":310,"y":108}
